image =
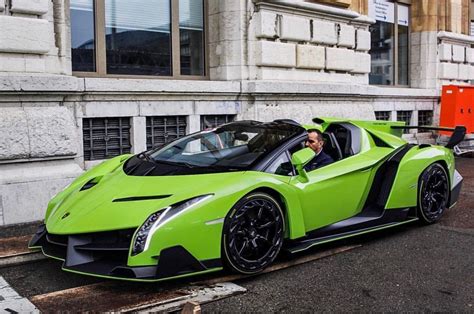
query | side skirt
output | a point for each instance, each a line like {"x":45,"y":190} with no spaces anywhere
{"x":306,"y":243}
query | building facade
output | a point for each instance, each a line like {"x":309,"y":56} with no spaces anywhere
{"x":86,"y":80}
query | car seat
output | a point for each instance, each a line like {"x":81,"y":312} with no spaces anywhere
{"x":331,"y":146}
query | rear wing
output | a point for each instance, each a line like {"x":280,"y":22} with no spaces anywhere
{"x":457,"y":137}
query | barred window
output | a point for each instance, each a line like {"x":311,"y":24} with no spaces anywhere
{"x":404,"y":116}
{"x":213,"y":121}
{"x":105,"y":137}
{"x":383,"y":115}
{"x":164,"y":129}
{"x":425,"y":117}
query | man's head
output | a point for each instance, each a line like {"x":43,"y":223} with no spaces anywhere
{"x":315,"y":140}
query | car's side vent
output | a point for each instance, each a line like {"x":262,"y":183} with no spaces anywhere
{"x":379,"y":142}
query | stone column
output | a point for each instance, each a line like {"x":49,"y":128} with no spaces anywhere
{"x":227,"y":42}
{"x":439,"y":44}
{"x":138,"y":129}
{"x":360,"y":6}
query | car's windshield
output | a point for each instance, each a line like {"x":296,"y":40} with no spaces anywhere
{"x":235,"y":145}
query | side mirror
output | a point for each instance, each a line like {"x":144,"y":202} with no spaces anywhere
{"x":300,"y":159}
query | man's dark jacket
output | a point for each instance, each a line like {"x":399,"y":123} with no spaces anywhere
{"x":322,"y":159}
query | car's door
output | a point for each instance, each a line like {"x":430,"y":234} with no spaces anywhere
{"x":334,"y":192}
{"x":338,"y":191}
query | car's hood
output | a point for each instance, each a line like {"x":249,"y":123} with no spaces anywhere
{"x":120,"y":201}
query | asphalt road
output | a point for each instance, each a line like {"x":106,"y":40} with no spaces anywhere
{"x":413,"y":269}
{"x":409,"y":268}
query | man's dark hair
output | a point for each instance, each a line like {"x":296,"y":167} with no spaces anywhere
{"x":320,"y":135}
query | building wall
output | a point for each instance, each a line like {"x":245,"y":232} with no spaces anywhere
{"x":267,"y":60}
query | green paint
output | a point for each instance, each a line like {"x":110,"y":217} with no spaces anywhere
{"x":311,"y":199}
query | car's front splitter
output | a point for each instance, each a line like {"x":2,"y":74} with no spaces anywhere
{"x":107,"y":257}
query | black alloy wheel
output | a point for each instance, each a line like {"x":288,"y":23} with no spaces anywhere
{"x":253,"y":233}
{"x":433,"y":193}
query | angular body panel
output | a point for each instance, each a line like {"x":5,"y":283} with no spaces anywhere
{"x":166,"y":213}
{"x":405,"y":189}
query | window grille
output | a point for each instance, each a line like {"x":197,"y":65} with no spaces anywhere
{"x":425,"y":117}
{"x":213,"y":121}
{"x":404,"y":116}
{"x":161,"y":130}
{"x":383,"y":115}
{"x":105,"y":137}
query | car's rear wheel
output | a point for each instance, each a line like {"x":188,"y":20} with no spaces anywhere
{"x":253,"y":233}
{"x":433,"y":193}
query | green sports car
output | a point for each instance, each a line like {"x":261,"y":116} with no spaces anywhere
{"x":237,"y":195}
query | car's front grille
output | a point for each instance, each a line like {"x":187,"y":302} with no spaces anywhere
{"x":57,"y":239}
{"x":103,"y":246}
{"x":106,"y":254}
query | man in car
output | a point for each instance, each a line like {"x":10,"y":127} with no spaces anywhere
{"x":315,"y":141}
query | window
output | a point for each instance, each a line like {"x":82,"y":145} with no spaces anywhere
{"x":404,"y":116}
{"x":425,"y":117}
{"x":105,"y":137}
{"x":234,"y":146}
{"x":389,"y":43}
{"x":161,"y":130}
{"x":213,"y":121}
{"x":161,"y":38}
{"x":383,"y":115}
{"x":82,"y":36}
{"x":281,"y":166}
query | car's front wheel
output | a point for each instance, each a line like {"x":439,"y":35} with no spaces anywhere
{"x":253,"y":233}
{"x":433,"y":193}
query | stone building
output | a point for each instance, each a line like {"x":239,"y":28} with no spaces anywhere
{"x":85,"y":80}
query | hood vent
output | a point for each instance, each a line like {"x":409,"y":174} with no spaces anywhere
{"x":140,"y":198}
{"x":91,"y":183}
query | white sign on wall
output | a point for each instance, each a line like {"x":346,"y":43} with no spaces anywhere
{"x":403,"y":18}
{"x":382,"y":10}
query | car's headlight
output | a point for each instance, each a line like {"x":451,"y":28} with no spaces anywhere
{"x":141,"y":241}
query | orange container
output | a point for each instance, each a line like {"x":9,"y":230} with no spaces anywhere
{"x":457,"y":107}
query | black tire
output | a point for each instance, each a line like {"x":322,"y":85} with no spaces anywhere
{"x":433,"y":193}
{"x":253,"y":233}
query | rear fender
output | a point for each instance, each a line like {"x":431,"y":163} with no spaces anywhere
{"x":405,"y":187}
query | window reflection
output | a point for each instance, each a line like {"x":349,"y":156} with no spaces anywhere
{"x":389,"y":43}
{"x":402,"y":55}
{"x":381,"y":52}
{"x":82,"y":35}
{"x":402,"y":49}
{"x":138,"y":37}
{"x":191,"y":33}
